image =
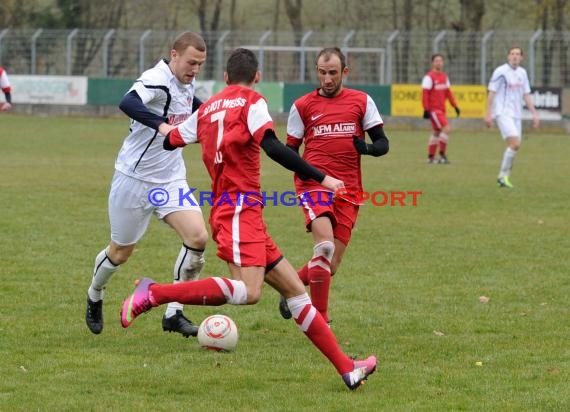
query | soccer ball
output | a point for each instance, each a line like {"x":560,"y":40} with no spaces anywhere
{"x":219,"y":333}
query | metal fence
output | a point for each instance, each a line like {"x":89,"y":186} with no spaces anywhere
{"x":373,"y":57}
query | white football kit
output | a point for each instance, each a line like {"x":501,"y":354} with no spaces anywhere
{"x":510,"y":85}
{"x":142,"y":163}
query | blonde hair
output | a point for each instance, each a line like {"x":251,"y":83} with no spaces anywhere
{"x":187,"y":39}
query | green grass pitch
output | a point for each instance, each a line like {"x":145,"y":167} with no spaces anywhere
{"x":408,"y":291}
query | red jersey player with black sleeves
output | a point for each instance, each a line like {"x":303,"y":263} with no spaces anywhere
{"x":435,"y":92}
{"x":327,"y":125}
{"x":331,"y":122}
{"x":232,"y":127}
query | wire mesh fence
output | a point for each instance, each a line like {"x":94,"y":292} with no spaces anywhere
{"x":373,"y":57}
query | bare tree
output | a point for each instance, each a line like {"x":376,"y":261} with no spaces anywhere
{"x":87,"y":14}
{"x":471,"y":15}
{"x":560,"y":10}
{"x":404,"y":9}
{"x":471,"y":19}
{"x":293,"y":9}
{"x":274,"y":57}
{"x":209,"y":28}
{"x":551,"y":15}
{"x":233,"y":15}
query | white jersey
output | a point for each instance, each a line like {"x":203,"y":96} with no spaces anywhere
{"x":142,"y":155}
{"x":510,"y":85}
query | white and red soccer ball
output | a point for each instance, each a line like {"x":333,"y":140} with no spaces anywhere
{"x":219,"y":333}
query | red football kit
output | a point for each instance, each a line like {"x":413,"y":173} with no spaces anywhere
{"x":326,"y":125}
{"x":230,"y":127}
{"x":435,"y":91}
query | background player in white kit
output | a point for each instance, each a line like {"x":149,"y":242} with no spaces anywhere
{"x":508,"y":86}
{"x":148,"y":178}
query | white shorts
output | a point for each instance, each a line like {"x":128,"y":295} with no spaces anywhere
{"x":509,"y":126}
{"x":133,"y":201}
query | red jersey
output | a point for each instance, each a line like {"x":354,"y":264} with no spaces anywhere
{"x":436,"y":90}
{"x":4,"y":82}
{"x":229,"y":127}
{"x":327,"y":124}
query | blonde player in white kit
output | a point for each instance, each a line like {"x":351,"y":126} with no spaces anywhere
{"x":148,"y":180}
{"x":508,"y":87}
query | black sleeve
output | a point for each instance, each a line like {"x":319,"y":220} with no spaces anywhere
{"x":295,"y":149}
{"x":166,"y":145}
{"x":380,"y":144}
{"x":196,"y":103}
{"x":132,"y":106}
{"x":8,"y":97}
{"x":288,"y":158}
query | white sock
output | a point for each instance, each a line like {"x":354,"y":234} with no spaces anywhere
{"x":189,"y":263}
{"x":297,"y":304}
{"x":188,"y":266}
{"x":102,"y":272}
{"x":172,"y":307}
{"x":507,"y":163}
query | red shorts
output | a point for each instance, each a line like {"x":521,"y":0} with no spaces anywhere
{"x":241,"y":235}
{"x":438,"y":120}
{"x":342,"y":214}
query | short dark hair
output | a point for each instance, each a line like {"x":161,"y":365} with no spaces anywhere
{"x":187,"y":39}
{"x":242,"y":66}
{"x":327,"y":52}
{"x":436,"y":55}
{"x":515,"y":47}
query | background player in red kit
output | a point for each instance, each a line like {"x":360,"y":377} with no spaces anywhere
{"x":436,"y":90}
{"x":331,"y":121}
{"x":231,"y":127}
{"x":6,"y":89}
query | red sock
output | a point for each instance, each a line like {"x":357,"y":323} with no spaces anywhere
{"x":198,"y":292}
{"x":316,"y":329}
{"x":432,"y":148}
{"x":319,"y":284}
{"x":304,"y":274}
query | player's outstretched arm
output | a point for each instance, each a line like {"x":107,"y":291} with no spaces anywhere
{"x":288,"y":158}
{"x":181,"y":135}
{"x":165,"y":128}
{"x":133,"y":106}
{"x":173,"y":139}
